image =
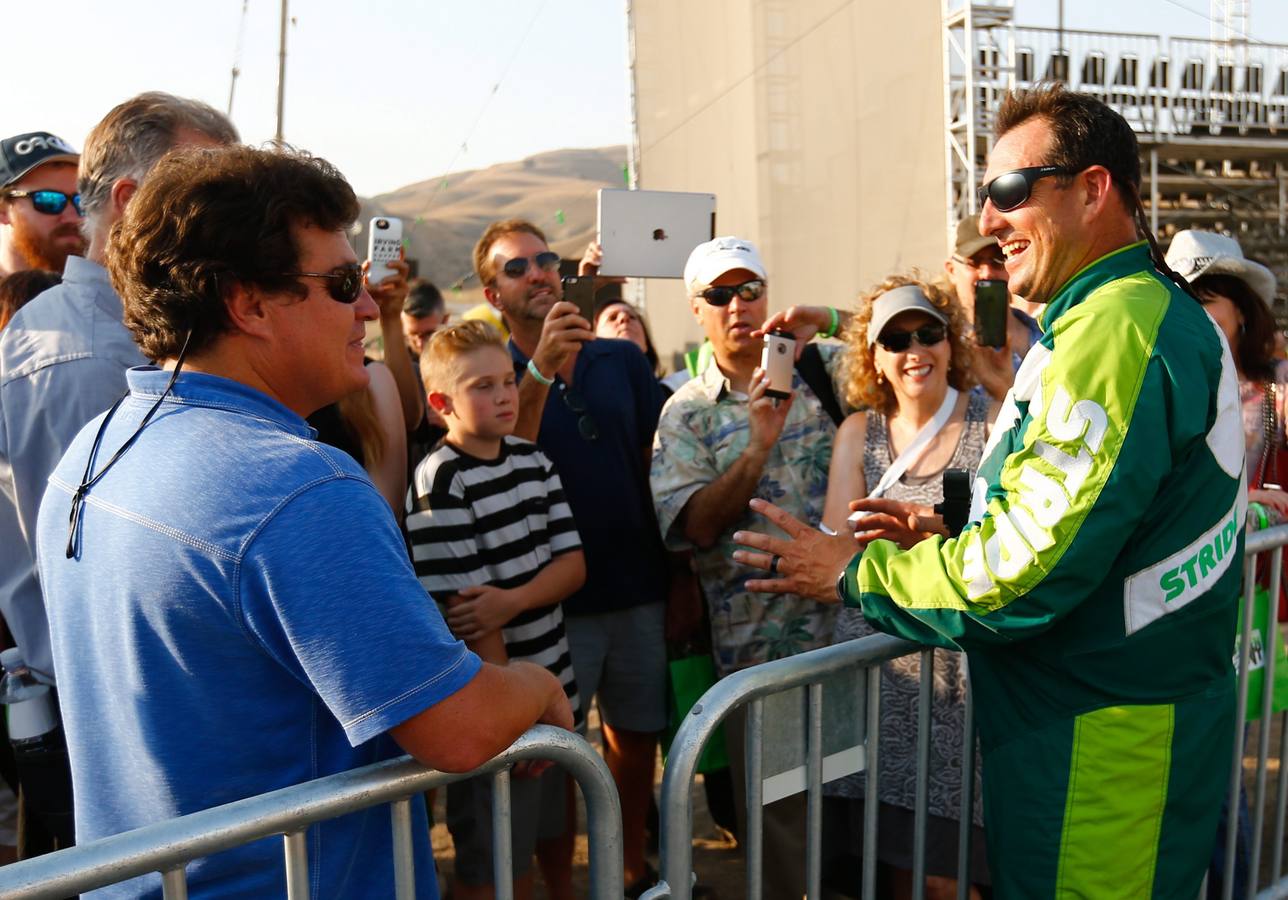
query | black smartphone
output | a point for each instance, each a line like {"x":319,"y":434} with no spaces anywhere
{"x":580,"y":289}
{"x":992,"y":302}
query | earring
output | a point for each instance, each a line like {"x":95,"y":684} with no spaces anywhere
{"x":880,"y":377}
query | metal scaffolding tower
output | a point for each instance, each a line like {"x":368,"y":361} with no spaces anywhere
{"x":979,"y":54}
{"x":1211,"y":114}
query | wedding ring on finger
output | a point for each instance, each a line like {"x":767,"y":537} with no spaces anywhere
{"x":773,"y":564}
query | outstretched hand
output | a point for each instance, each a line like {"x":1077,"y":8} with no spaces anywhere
{"x":806,"y":562}
{"x":907,"y":524}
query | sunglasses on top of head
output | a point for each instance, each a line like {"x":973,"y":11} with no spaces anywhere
{"x":51,"y":203}
{"x":547,"y":261}
{"x":723,"y":295}
{"x":1012,"y":189}
{"x":343,"y":283}
{"x":926,"y":335}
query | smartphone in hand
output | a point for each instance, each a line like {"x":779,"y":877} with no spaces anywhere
{"x":992,"y":306}
{"x":384,"y":244}
{"x":778,"y":359}
{"x":580,"y":289}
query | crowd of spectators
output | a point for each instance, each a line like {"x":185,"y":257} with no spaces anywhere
{"x":248,"y":555}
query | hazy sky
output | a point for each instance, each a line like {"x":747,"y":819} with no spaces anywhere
{"x":388,"y":90}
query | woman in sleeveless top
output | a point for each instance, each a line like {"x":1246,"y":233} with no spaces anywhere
{"x":906,"y":358}
{"x":1238,"y":294}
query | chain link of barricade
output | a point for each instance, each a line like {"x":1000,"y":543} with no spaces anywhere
{"x":809,"y":670}
{"x":167,"y":847}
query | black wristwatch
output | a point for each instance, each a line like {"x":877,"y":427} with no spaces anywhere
{"x":840,"y":585}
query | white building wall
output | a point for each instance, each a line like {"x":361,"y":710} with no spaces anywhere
{"x":818,"y":125}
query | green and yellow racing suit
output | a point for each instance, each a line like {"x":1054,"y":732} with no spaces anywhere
{"x":1094,"y":592}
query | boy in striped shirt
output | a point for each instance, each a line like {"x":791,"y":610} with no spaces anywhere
{"x":493,"y":540}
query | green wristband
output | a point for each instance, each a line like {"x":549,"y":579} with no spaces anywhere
{"x":835,"y":323}
{"x":536,"y":373}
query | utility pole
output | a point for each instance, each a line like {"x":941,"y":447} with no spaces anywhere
{"x":281,"y":75}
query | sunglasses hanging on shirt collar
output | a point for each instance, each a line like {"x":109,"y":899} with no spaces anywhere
{"x":88,"y":480}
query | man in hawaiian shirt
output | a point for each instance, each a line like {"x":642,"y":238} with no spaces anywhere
{"x":721,"y":441}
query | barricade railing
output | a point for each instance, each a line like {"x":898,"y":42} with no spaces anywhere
{"x":752,"y":686}
{"x":1262,"y":547}
{"x":167,"y":847}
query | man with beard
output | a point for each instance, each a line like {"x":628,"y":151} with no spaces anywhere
{"x":591,"y":405}
{"x":40,"y":211}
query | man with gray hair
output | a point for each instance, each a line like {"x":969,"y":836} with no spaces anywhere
{"x":63,"y":356}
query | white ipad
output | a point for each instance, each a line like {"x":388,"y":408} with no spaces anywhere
{"x":650,"y":234}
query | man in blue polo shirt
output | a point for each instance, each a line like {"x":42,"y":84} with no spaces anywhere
{"x":231,"y":605}
{"x":592,"y":406}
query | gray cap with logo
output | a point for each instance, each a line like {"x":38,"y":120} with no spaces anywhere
{"x":23,"y":152}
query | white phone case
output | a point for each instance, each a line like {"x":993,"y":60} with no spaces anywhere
{"x":384,"y":242}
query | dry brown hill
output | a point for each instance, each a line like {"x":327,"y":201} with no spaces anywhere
{"x":443,"y":216}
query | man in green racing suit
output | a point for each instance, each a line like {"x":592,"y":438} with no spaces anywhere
{"x":1094,"y":590}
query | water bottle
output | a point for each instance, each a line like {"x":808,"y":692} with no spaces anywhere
{"x":39,"y":747}
{"x":30,"y":703}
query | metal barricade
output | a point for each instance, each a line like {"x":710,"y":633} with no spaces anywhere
{"x":1263,"y":546}
{"x":166,"y":847}
{"x":751,"y":686}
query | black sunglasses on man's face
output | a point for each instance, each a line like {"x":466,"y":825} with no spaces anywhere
{"x":1012,"y":189}
{"x":547,"y":261}
{"x":723,"y":295}
{"x":343,"y":283}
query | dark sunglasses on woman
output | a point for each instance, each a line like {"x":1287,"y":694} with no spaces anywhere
{"x":51,"y":203}
{"x":547,"y":261}
{"x":344,"y":283}
{"x":1012,"y":189}
{"x":723,"y":295}
{"x":899,"y":341}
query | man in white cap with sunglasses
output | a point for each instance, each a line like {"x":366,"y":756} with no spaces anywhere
{"x":40,"y":211}
{"x":1094,"y":585}
{"x":722,"y":440}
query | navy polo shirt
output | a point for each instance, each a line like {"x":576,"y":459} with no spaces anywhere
{"x":606,"y":479}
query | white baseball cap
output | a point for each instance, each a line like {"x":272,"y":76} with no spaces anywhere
{"x":709,"y":261}
{"x":1195,"y":253}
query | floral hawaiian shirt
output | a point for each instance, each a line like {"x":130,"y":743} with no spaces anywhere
{"x":703,"y":430}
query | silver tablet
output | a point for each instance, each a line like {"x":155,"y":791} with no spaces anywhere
{"x":650,"y":234}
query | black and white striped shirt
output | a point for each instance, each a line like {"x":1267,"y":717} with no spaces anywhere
{"x":497,"y":522}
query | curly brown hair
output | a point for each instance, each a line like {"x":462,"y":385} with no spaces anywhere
{"x":206,"y":218}
{"x":862,"y":390}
